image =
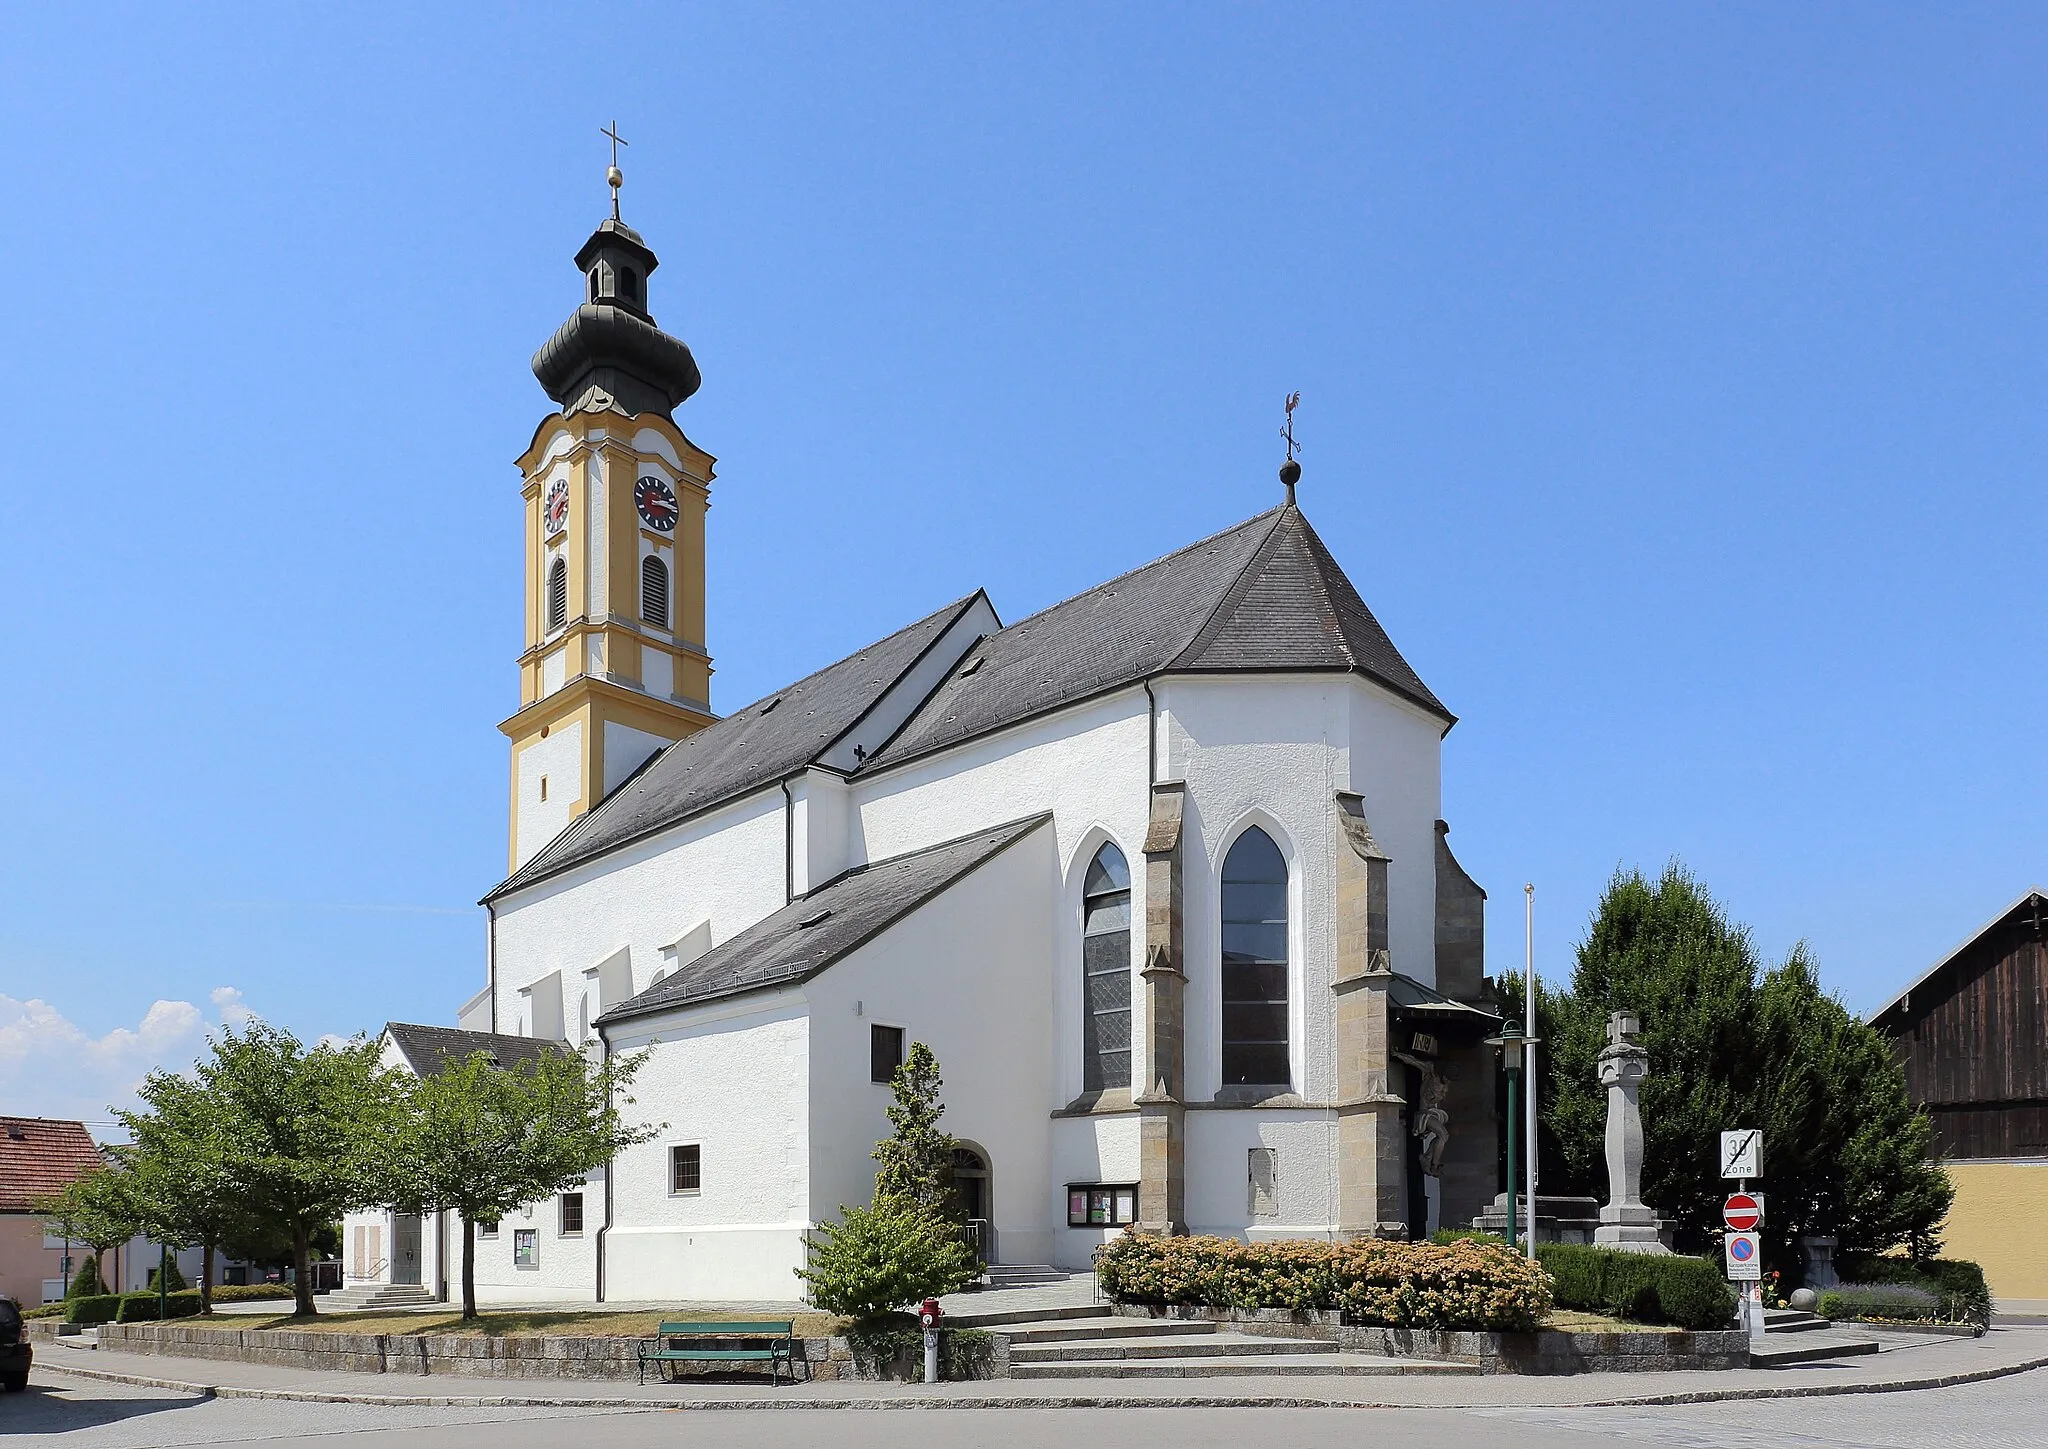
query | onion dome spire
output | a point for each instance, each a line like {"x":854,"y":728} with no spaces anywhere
{"x":610,"y":344}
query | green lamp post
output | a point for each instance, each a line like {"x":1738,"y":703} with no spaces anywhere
{"x":1512,"y":1043}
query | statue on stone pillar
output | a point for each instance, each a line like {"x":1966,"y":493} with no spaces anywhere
{"x":1626,"y":1223}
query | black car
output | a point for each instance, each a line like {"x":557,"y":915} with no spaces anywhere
{"x":15,"y":1353}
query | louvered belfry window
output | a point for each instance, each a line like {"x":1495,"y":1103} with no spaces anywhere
{"x":1255,"y":1051}
{"x":1106,"y":972}
{"x":558,"y":593}
{"x":654,"y":591}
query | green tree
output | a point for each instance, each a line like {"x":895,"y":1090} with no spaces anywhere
{"x":99,"y":1210}
{"x":1731,"y":1045}
{"x":303,"y":1133}
{"x":482,"y":1140}
{"x":86,"y":1281}
{"x":178,"y":1153}
{"x":877,"y":1259}
{"x":917,"y":1161}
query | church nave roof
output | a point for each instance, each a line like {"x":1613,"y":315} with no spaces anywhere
{"x":1265,"y":595}
{"x":812,"y":931}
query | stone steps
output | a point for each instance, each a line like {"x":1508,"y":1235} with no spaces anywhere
{"x":366,"y":1296}
{"x":1808,"y":1348}
{"x":1347,"y":1365}
{"x":1124,"y":1350}
{"x":1108,"y":1347}
{"x":1793,"y":1320}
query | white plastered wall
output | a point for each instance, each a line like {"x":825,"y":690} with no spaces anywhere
{"x":725,"y":868}
{"x":626,"y":750}
{"x":732,"y":1078}
{"x":964,"y":974}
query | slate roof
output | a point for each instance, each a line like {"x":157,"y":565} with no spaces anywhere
{"x":430,"y":1048}
{"x":815,"y":930}
{"x":41,"y":1155}
{"x":769,"y":740}
{"x":1265,"y":595}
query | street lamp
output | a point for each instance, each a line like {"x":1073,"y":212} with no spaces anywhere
{"x":1513,"y":1044}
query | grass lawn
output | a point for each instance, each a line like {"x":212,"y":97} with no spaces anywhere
{"x":564,"y":1324}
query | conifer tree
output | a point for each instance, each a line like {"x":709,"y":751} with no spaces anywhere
{"x":917,"y":1162}
{"x":1732,"y":1045}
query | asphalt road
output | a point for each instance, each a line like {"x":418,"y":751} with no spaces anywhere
{"x":2008,"y":1413}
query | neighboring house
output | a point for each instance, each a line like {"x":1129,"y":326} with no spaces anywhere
{"x":38,"y":1156}
{"x":1158,"y":873}
{"x":424,"y":1251}
{"x":1973,"y":1034}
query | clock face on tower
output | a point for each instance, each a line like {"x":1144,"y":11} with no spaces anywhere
{"x":656,"y":502}
{"x":556,"y":512}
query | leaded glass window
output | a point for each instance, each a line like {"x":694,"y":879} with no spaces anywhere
{"x":1106,"y":972}
{"x":1255,"y":963}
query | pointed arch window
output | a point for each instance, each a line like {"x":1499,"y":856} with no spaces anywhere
{"x":1106,"y":972}
{"x":654,"y":591}
{"x":558,"y":593}
{"x":1255,"y":1051}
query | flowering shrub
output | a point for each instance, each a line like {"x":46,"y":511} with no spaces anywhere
{"x":1464,"y":1285}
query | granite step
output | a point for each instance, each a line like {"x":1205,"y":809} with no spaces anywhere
{"x":1207,"y":1346}
{"x":1794,"y":1320}
{"x":1808,"y":1348}
{"x":1290,"y":1365}
{"x":1081,"y":1329}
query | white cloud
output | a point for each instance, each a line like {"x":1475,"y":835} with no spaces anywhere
{"x":51,"y":1067}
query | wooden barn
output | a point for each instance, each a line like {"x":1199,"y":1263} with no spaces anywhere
{"x":1973,"y":1034}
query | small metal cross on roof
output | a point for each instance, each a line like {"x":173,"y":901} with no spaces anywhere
{"x":612,"y":174}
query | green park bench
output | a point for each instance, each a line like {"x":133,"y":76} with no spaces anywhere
{"x":698,"y":1343}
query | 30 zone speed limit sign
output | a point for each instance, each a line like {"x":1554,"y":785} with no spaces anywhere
{"x":1745,"y":1257}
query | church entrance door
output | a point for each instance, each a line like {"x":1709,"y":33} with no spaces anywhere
{"x":970,"y":1192}
{"x":405,"y":1248}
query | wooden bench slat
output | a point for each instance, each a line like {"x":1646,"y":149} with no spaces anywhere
{"x":712,"y":1330}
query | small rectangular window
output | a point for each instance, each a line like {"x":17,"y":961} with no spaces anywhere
{"x":686,"y":1168}
{"x":1101,"y":1205}
{"x":885,"y":1050}
{"x":572,"y":1214}
{"x":487,"y":1230}
{"x":543,"y":787}
{"x":524,"y":1253}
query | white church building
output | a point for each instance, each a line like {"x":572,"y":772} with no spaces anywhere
{"x":1158,"y":873}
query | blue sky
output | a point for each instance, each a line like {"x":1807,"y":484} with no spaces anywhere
{"x":1672,"y":389}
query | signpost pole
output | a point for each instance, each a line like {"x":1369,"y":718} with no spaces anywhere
{"x":1529,"y":1031}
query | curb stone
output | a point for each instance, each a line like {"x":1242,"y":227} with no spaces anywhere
{"x":1034,"y":1401}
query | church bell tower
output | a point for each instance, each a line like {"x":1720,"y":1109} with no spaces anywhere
{"x":614,"y":665}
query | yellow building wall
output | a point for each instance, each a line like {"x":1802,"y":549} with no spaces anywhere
{"x":1999,"y":1220}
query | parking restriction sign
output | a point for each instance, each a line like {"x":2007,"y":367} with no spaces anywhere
{"x":1745,"y":1257}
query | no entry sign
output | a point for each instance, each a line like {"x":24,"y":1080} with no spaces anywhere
{"x":1745,"y":1257}
{"x":1742,"y":1212}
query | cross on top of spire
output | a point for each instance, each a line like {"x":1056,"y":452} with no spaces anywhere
{"x":613,"y":176}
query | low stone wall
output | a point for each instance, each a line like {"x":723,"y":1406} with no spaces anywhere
{"x":1546,"y":1351}
{"x":464,"y":1355}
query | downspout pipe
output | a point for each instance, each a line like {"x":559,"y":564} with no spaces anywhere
{"x":1151,"y":741}
{"x":788,"y":843}
{"x":491,"y":959}
{"x":610,"y":1171}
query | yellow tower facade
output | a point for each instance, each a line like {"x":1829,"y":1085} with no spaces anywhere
{"x":614,"y":665}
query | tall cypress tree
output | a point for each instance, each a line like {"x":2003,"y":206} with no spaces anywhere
{"x":1732,"y":1046}
{"x":917,"y":1162}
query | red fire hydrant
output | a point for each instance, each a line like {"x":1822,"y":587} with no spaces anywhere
{"x":928,"y":1315}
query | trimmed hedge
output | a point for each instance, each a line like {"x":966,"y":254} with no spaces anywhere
{"x":142,"y":1307}
{"x":91,"y":1308}
{"x":1642,"y":1287}
{"x":1879,"y":1303}
{"x":1957,"y":1283}
{"x":1462,"y":1285}
{"x":251,"y":1292}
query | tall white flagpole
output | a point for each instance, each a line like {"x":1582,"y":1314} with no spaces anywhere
{"x":1529,"y":1029}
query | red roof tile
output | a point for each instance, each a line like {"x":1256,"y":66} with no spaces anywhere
{"x":40,"y":1155}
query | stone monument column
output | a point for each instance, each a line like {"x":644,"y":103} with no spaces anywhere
{"x":1625,"y":1222}
{"x":1162,"y":1115}
{"x":1372,"y":1154}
